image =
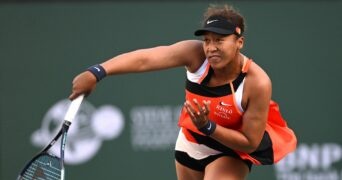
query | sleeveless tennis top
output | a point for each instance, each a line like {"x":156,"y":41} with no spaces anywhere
{"x":226,"y":110}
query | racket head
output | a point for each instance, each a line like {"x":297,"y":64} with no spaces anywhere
{"x":43,"y":166}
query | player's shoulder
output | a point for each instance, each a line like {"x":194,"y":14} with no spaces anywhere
{"x":190,"y":44}
{"x":192,"y":52}
{"x":257,"y":77}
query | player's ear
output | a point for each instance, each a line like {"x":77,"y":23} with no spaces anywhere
{"x":240,"y":42}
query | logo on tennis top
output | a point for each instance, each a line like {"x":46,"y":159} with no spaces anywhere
{"x":224,"y":104}
{"x":89,"y":129}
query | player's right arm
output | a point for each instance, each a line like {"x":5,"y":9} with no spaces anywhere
{"x":185,"y":53}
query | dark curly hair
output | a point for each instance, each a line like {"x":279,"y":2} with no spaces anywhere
{"x":227,"y":11}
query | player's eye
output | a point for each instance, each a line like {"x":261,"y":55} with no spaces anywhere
{"x":206,"y":40}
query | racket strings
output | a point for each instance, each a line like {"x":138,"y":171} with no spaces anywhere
{"x":45,"y":167}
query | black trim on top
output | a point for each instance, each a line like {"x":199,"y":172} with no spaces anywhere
{"x":264,"y":153}
{"x":199,"y":165}
{"x":217,"y":91}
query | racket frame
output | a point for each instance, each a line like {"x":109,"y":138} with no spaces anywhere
{"x":69,"y":116}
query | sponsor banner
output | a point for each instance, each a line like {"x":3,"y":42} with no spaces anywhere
{"x":154,"y":127}
{"x":317,"y":161}
{"x":90,"y":128}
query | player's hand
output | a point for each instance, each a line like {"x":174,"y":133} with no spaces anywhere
{"x":83,"y":83}
{"x":198,"y":113}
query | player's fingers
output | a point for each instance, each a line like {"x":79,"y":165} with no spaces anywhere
{"x":189,"y":110}
{"x":74,"y":95}
{"x":202,"y":110}
{"x":197,"y":105}
{"x":188,"y":104}
{"x":193,"y":111}
{"x":206,"y":106}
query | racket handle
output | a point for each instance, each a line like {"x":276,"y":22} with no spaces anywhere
{"x":73,"y":108}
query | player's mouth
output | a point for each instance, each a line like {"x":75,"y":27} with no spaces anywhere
{"x":214,"y":58}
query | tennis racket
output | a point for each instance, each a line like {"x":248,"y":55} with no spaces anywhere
{"x":46,"y":166}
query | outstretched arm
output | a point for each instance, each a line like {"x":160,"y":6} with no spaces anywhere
{"x":185,"y":53}
{"x":157,"y":58}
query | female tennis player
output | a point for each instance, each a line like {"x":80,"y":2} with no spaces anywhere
{"x":228,"y":122}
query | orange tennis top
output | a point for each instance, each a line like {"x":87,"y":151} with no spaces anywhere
{"x":278,"y":139}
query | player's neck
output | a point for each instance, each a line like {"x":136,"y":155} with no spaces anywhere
{"x":231,"y":71}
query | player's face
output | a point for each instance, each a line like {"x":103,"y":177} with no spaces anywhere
{"x":220,"y":50}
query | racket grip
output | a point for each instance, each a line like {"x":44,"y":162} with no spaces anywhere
{"x":73,"y":108}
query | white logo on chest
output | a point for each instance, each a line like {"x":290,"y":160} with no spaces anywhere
{"x":223,"y":112}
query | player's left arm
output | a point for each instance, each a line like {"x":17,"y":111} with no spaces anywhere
{"x":258,"y":89}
